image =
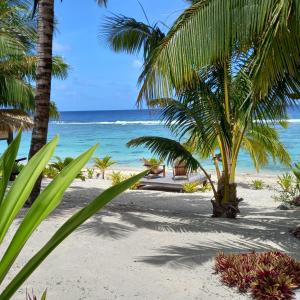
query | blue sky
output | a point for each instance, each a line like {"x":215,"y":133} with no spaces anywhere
{"x":100,"y":79}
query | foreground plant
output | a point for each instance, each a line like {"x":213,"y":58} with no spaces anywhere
{"x":12,"y":201}
{"x":268,"y":275}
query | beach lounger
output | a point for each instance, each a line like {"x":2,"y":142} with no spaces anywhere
{"x":180,"y":171}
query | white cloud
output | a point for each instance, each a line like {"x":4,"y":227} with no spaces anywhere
{"x":137,"y":64}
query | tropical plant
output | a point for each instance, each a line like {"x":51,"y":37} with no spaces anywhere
{"x":14,"y":199}
{"x":190,"y":187}
{"x":18,"y":66}
{"x":199,"y":117}
{"x":267,"y":275}
{"x":50,"y":172}
{"x":215,"y":108}
{"x":257,"y":184}
{"x":289,"y":188}
{"x":285,"y":181}
{"x":60,"y":164}
{"x":252,"y":27}
{"x":34,"y":297}
{"x":116,"y":178}
{"x":90,"y":173}
{"x":103,"y":164}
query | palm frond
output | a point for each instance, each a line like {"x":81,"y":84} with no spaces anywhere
{"x":166,"y":149}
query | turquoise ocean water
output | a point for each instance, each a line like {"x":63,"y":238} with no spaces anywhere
{"x":113,"y":129}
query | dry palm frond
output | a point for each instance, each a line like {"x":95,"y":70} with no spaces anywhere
{"x":14,"y":119}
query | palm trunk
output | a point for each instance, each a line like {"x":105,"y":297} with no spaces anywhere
{"x":43,"y":82}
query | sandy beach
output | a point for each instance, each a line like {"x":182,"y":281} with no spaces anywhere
{"x":154,"y":245}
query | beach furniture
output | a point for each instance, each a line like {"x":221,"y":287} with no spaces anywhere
{"x":154,"y":170}
{"x":180,"y":170}
{"x":169,"y":183}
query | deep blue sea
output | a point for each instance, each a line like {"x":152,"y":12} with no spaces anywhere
{"x":113,"y":129}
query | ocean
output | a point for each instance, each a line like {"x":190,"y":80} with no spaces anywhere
{"x":113,"y":129}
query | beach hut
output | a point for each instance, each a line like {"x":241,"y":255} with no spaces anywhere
{"x":12,"y":120}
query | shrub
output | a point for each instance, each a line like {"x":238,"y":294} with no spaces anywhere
{"x":50,"y":172}
{"x":268,"y":275}
{"x":190,"y":187}
{"x":90,"y":173}
{"x":285,"y":182}
{"x":289,"y":188}
{"x":34,"y":297}
{"x":12,"y":201}
{"x":116,"y":178}
{"x":60,"y":164}
{"x":257,"y":184}
{"x":205,"y":188}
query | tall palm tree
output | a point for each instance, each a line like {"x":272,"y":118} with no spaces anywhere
{"x":45,"y":12}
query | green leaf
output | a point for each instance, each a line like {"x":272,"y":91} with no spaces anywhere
{"x":22,"y":187}
{"x":7,"y":163}
{"x":65,"y":230}
{"x":46,"y":202}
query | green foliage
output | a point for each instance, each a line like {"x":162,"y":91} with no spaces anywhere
{"x":60,"y":164}
{"x":13,"y":201}
{"x":267,"y":275}
{"x":205,"y":188}
{"x":34,"y":297}
{"x":152,"y":162}
{"x":103,"y":164}
{"x":90,"y":173}
{"x":257,"y":184}
{"x":116,"y":178}
{"x":285,"y":181}
{"x":289,"y":189}
{"x":50,"y":172}
{"x":190,"y":187}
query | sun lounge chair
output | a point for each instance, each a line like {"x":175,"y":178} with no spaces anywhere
{"x":155,"y":171}
{"x":180,"y":171}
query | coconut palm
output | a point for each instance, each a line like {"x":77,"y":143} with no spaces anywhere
{"x":103,"y":164}
{"x":200,"y":117}
{"x":43,"y":80}
{"x":226,"y":89}
{"x":209,"y":31}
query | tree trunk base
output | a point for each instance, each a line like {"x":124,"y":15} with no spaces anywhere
{"x":229,"y":210}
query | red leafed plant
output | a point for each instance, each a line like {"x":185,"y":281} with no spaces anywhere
{"x":267,"y":275}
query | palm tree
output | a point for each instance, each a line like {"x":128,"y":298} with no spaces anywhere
{"x":199,"y":117}
{"x":209,"y":31}
{"x":43,"y":80}
{"x":224,"y":42}
{"x":103,"y":164}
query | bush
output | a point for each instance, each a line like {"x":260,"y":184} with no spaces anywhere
{"x":50,"y":172}
{"x":60,"y":164}
{"x":268,"y":275}
{"x":205,"y":188}
{"x":257,"y":184}
{"x":289,"y":189}
{"x":90,"y":173}
{"x":116,"y":178}
{"x":190,"y":187}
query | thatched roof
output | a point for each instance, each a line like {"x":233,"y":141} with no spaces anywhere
{"x":15,"y":119}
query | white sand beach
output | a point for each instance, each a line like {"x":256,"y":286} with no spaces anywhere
{"x":153,"y":244}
